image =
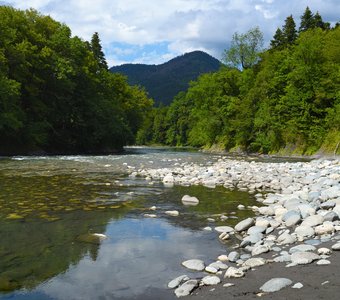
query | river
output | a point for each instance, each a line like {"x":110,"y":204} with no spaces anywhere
{"x":50,"y":205}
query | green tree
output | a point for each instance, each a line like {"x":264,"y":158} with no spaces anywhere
{"x":307,"y":20}
{"x":97,"y":51}
{"x":278,"y":39}
{"x":245,"y":48}
{"x":289,"y":30}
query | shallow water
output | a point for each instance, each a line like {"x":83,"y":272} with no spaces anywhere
{"x":49,"y":205}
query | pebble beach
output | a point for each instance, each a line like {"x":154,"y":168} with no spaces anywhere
{"x":288,"y":248}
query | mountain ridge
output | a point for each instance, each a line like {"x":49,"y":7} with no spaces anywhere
{"x":166,"y":80}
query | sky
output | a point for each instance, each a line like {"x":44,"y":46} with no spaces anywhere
{"x":154,"y":31}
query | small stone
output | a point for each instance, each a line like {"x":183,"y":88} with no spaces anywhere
{"x":324,"y":251}
{"x":226,"y":229}
{"x":254,"y":262}
{"x":244,"y":225}
{"x":282,"y":258}
{"x":223,"y":257}
{"x":150,"y":216}
{"x":211,"y":269}
{"x":211,"y":280}
{"x":336,"y":246}
{"x":302,"y":258}
{"x":303,"y":231}
{"x":275,"y":284}
{"x":325,"y":228}
{"x":323,"y":262}
{"x":256,"y":230}
{"x":233,"y":256}
{"x":177,"y":281}
{"x":233,"y":273}
{"x":313,"y":220}
{"x":297,"y":285}
{"x":208,"y":228}
{"x":224,"y":236}
{"x":241,"y":207}
{"x":194,"y":264}
{"x":286,"y":238}
{"x":302,"y":248}
{"x":260,"y":249}
{"x":219,"y":265}
{"x":190,"y":201}
{"x":186,"y":288}
{"x":226,"y":285}
{"x":173,"y":213}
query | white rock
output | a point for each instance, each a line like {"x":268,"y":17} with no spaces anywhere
{"x":275,"y":284}
{"x":257,"y":250}
{"x":302,"y":258}
{"x":173,"y":213}
{"x":325,"y":228}
{"x":233,"y":273}
{"x":194,"y":264}
{"x":226,"y":229}
{"x":219,"y":265}
{"x":324,"y":251}
{"x":286,"y":239}
{"x":177,"y":281}
{"x":223,"y":257}
{"x":297,"y":285}
{"x":256,"y":230}
{"x":186,"y":288}
{"x":211,"y":269}
{"x":190,"y":201}
{"x":302,"y":248}
{"x":282,"y":258}
{"x":245,"y":224}
{"x":228,"y":284}
{"x":254,"y":262}
{"x":312,"y":221}
{"x":336,"y":246}
{"x":323,"y":262}
{"x":211,"y":280}
{"x":224,"y":236}
{"x":150,"y":216}
{"x":241,"y":207}
{"x":266,"y":210}
{"x":208,"y":228}
{"x":262,"y":222}
{"x":304,"y":232}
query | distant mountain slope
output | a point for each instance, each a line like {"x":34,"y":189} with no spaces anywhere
{"x":164,"y":81}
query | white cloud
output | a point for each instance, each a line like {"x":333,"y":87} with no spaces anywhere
{"x":184,"y":24}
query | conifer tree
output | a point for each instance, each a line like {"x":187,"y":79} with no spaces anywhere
{"x":319,"y":23}
{"x":289,"y":30}
{"x":278,"y":39}
{"x":307,"y":20}
{"x":97,"y":50}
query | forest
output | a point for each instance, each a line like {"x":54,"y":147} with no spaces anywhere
{"x":56,"y":92}
{"x":284,"y":99}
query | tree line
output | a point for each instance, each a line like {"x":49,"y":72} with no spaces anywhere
{"x":285,"y":99}
{"x":56,"y":92}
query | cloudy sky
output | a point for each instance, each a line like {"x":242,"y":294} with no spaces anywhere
{"x":153,"y":31}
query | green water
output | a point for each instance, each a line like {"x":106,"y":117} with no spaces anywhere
{"x":50,"y":206}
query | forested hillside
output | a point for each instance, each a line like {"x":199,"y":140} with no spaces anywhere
{"x":285,"y":99}
{"x":164,"y":81}
{"x":56,"y":93}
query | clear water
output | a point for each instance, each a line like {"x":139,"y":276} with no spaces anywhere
{"x":49,"y":206}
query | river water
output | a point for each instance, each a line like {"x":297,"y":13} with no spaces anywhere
{"x":50,"y":206}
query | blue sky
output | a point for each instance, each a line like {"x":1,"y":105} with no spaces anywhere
{"x":154,"y":31}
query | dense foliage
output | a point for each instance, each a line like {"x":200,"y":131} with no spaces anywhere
{"x":289,"y":101}
{"x":164,"y":81}
{"x":56,"y":93}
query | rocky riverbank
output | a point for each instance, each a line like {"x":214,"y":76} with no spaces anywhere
{"x":295,"y":225}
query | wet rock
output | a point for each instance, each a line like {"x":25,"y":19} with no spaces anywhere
{"x":150,"y":216}
{"x":244,"y":225}
{"x":211,"y":280}
{"x":173,"y":213}
{"x":224,"y":236}
{"x":303,"y":258}
{"x":177,"y":281}
{"x":233,"y":256}
{"x":211,"y":269}
{"x":275,"y":284}
{"x":186,"y":288}
{"x":233,"y":273}
{"x":92,"y":238}
{"x":194,"y":264}
{"x":189,"y":201}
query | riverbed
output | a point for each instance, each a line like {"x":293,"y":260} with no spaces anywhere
{"x":50,"y":205}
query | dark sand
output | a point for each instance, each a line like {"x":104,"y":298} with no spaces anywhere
{"x":311,"y":276}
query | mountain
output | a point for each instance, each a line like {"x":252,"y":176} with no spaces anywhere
{"x":164,"y":81}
